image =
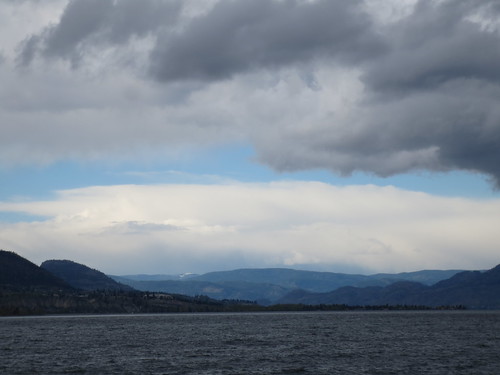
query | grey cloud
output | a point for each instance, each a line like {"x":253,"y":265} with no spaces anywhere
{"x":453,"y":127}
{"x":130,"y":17}
{"x":430,"y":102}
{"x":232,"y":37}
{"x":85,"y":23}
{"x":79,"y":20}
{"x":431,"y":81}
{"x":237,"y":36}
{"x":139,"y":227}
{"x":28,"y":51}
{"x":434,"y":45}
{"x":446,"y":67}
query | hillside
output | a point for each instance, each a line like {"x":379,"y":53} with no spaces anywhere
{"x":238,"y":290}
{"x":426,"y":277}
{"x":17,"y":272}
{"x":82,"y":277}
{"x":322,"y":281}
{"x":287,"y":278}
{"x":268,"y":285}
{"x":155,"y":277}
{"x":473,"y":289}
{"x":26,"y":289}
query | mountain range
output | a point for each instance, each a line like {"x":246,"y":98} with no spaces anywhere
{"x":39,"y":289}
{"x":473,"y":289}
{"x":82,"y":277}
{"x":270,"y":285}
{"x":27,"y":289}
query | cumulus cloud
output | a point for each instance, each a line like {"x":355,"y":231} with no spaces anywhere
{"x":342,"y":85}
{"x":237,"y":36}
{"x":138,"y":227}
{"x":86,"y":23}
{"x":198,"y":228}
{"x":428,"y":103}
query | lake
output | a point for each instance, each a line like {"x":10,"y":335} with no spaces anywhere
{"x":382,"y":342}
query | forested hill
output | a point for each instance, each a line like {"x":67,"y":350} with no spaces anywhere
{"x":269,"y":285}
{"x":26,"y":289}
{"x":82,"y":277}
{"x":472,"y":289}
{"x":315,"y":281}
{"x":17,"y":272}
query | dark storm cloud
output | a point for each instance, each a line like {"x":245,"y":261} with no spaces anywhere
{"x":29,"y":50}
{"x":232,"y":37}
{"x":444,"y":71}
{"x":237,"y":36}
{"x":430,"y":80}
{"x":79,"y":21}
{"x":89,"y":22}
{"x":436,"y":44}
{"x":429,"y":102}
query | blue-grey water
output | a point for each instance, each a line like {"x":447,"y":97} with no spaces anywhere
{"x":265,"y":343}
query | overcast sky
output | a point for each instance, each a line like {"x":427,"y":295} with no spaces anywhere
{"x":169,"y":136}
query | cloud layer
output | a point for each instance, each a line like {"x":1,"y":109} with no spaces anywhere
{"x":382,"y":87}
{"x":200,"y":228}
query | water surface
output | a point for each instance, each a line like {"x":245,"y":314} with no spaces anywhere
{"x":248,"y":343}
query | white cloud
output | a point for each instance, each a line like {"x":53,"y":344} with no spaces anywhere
{"x":35,"y":15}
{"x":179,"y":228}
{"x":393,"y":86}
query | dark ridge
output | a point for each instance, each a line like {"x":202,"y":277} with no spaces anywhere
{"x":17,"y":272}
{"x":232,"y":290}
{"x":472,"y":289}
{"x":269,"y":285}
{"x":82,"y":277}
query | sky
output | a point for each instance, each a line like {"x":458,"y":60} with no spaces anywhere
{"x":174,"y":136}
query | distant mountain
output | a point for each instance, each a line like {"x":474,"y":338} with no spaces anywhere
{"x":27,"y":289}
{"x":473,"y":289}
{"x":236,"y":290}
{"x":18,"y":272}
{"x":321,"y":281}
{"x":287,"y":278}
{"x":426,"y":277}
{"x":82,"y":277}
{"x":394,"y":294}
{"x":268,"y":285}
{"x":156,"y":277}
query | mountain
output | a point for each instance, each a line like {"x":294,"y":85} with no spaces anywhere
{"x":82,"y":277}
{"x":287,"y":278}
{"x":353,"y":296}
{"x":473,"y":289}
{"x":263,"y":294}
{"x":17,"y":272}
{"x":262,"y":285}
{"x":426,"y":277}
{"x":155,"y":277}
{"x":268,"y":285}
{"x":321,"y":281}
{"x":27,"y":289}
